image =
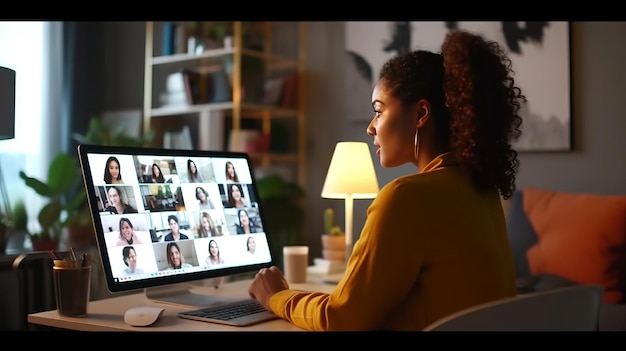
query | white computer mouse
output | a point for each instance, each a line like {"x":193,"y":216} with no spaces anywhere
{"x":142,"y":316}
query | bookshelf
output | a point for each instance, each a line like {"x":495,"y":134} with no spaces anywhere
{"x":259,"y":76}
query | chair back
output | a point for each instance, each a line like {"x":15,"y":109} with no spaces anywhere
{"x":572,"y":308}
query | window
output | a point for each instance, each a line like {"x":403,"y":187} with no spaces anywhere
{"x":33,"y":50}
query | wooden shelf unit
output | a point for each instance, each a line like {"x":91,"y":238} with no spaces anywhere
{"x":204,"y":116}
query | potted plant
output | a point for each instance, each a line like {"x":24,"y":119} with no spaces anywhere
{"x":333,"y":238}
{"x":13,"y":225}
{"x":66,"y":201}
{"x":283,"y":212}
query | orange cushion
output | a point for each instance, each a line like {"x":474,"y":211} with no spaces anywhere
{"x":582,"y":237}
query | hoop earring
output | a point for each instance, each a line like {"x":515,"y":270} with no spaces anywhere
{"x":416,"y":143}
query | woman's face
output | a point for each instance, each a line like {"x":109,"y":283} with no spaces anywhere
{"x":201,"y":195}
{"x":235,"y":193}
{"x":213,"y":249}
{"x":393,"y":128}
{"x":243,"y":218}
{"x":114,"y":169}
{"x":231,"y":170}
{"x":114,"y":197}
{"x":175,"y":257}
{"x":155,"y":171}
{"x":173,"y":226}
{"x":192,"y":167}
{"x":132,"y":259}
{"x":251,"y":245}
{"x":127,"y":231}
{"x":206,"y":224}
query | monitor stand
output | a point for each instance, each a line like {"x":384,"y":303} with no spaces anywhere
{"x":180,"y":294}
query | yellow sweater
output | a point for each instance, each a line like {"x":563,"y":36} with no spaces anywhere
{"x":431,"y":245}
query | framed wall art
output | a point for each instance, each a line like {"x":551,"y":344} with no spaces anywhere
{"x":539,"y":51}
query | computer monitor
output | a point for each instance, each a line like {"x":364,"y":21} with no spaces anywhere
{"x":166,"y":217}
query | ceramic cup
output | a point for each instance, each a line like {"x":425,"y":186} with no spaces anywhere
{"x":296,"y":261}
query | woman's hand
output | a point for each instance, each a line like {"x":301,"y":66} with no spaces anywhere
{"x":266,"y":283}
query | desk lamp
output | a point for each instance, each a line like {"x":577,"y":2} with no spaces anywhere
{"x":350,"y":176}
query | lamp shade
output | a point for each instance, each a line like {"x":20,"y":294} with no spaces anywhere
{"x":7,"y":103}
{"x":351,"y":173}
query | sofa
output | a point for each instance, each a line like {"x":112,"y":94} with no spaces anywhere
{"x":561,"y":238}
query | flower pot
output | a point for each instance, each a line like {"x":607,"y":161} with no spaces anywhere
{"x":334,"y":247}
{"x":44,"y":244}
{"x":80,"y":237}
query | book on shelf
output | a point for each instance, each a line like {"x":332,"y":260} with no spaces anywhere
{"x":248,"y":139}
{"x":192,"y":86}
{"x":168,"y":38}
{"x":272,"y":90}
{"x":180,"y":38}
{"x":205,"y":87}
{"x":178,"y":139}
{"x":290,"y":90}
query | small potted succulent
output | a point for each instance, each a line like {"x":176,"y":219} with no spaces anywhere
{"x":333,"y":239}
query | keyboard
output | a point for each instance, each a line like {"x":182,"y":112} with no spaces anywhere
{"x":239,"y":313}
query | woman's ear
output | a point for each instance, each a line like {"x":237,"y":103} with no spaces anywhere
{"x":423,"y":112}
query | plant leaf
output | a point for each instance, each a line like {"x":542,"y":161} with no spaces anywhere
{"x":49,"y":214}
{"x":62,"y":173}
{"x":37,"y":185}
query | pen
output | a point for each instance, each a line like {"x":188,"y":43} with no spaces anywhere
{"x":72,"y":255}
{"x":52,"y":255}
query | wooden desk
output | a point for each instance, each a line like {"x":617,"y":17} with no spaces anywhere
{"x":108,"y":314}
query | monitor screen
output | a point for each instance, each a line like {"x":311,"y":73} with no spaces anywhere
{"x":165,"y":216}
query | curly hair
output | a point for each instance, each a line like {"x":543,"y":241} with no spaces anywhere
{"x":474,"y":102}
{"x":484,"y":103}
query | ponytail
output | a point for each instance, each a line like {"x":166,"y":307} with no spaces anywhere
{"x":483,"y":103}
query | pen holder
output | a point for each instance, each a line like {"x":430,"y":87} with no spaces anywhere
{"x":71,"y":289}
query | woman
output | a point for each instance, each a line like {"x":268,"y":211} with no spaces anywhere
{"x":175,"y":259}
{"x":435,"y":241}
{"x":207,"y":226}
{"x":127,"y":233}
{"x":235,"y":196}
{"x":251,"y":245}
{"x":157,"y":175}
{"x":116,"y":204}
{"x":112,"y":173}
{"x":231,"y":174}
{"x":245,"y":225}
{"x":204,"y":201}
{"x":192,"y":172}
{"x":130,"y":260}
{"x":174,"y":234}
{"x":214,"y":254}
